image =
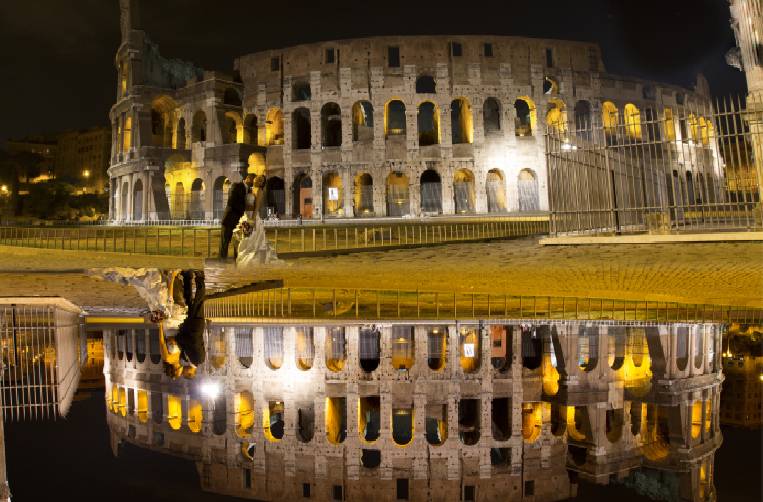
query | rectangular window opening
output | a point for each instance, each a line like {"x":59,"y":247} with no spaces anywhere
{"x":247,"y":478}
{"x":330,"y":55}
{"x":306,"y":490}
{"x":456,"y":49}
{"x":275,"y":64}
{"x":530,"y":487}
{"x":470,"y":494}
{"x":549,"y":58}
{"x":338,"y":492}
{"x":393,"y":57}
{"x":488,"y":50}
{"x":402,"y":489}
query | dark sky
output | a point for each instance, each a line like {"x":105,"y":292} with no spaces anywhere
{"x":56,"y":56}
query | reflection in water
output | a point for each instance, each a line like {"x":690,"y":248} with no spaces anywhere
{"x":404,"y":410}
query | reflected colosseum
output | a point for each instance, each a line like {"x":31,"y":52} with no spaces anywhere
{"x":384,"y":126}
{"x":468,"y":410}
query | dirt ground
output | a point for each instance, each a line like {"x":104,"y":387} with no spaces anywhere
{"x":722,"y":273}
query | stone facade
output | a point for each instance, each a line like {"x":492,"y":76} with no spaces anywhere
{"x":454,"y":411}
{"x":383,"y":126}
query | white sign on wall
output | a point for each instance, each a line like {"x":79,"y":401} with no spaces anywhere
{"x":468,"y":350}
{"x":333,"y":193}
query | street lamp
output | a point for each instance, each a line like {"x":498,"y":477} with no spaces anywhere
{"x":210,"y":388}
{"x":86,"y":173}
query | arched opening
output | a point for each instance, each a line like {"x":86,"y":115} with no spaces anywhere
{"x":142,"y":411}
{"x":550,"y":86}
{"x":616,"y":349}
{"x":250,"y":130}
{"x":331,"y":125}
{"x":364,"y":195}
{"x":233,"y":128}
{"x":402,"y":426}
{"x":154,"y":351}
{"x":614,"y":425}
{"x":129,"y":345}
{"x":682,"y":347}
{"x":463,"y":191}
{"x":708,"y":415}
{"x":140,"y":345}
{"x":638,"y":414}
{"x":300,"y":129}
{"x":469,"y":416}
{"x":693,"y":129}
{"x":195,"y":415}
{"x":526,"y":116}
{"x":125,"y":195}
{"x":275,"y":195}
{"x":199,"y":127}
{"x":121,"y":343}
{"x":303,"y":196}
{"x":122,"y":405}
{"x":588,"y":347}
{"x":437,"y":347}
{"x":398,"y":197}
{"x":219,"y":415}
{"x":462,"y":127}
{"x":306,"y":422}
{"x":425,"y":84}
{"x":496,"y":191}
{"x":217,"y":348}
{"x":300,"y":91}
{"x":336,"y":419}
{"x":469,"y":348}
{"x":157,"y":407}
{"x":162,"y":110}
{"x":197,"y":199}
{"x":500,"y":418}
{"x":370,"y":349}
{"x":113,"y":403}
{"x":556,"y":116}
{"x":632,"y":117}
{"x":577,"y":423}
{"x":583,"y":123}
{"x":491,"y":115}
{"x":274,"y":127}
{"x":696,"y":419}
{"x":436,"y":423}
{"x":431,"y":192}
{"x":558,"y":419}
{"x":174,"y":411}
{"x":403,"y":347}
{"x":369,"y":418}
{"x":137,"y":201}
{"x":180,"y":135}
{"x":304,"y":347}
{"x":637,"y":368}
{"x":549,"y":373}
{"x":362,"y":122}
{"x":333,"y":195}
{"x":609,"y":119}
{"x":231,"y":97}
{"x":273,"y":421}
{"x":699,"y":346}
{"x":669,"y":124}
{"x":500,"y":347}
{"x":336,"y":348}
{"x":220,"y":196}
{"x":394,"y":119}
{"x":273,"y":340}
{"x":532,"y":348}
{"x":527,"y":188}
{"x":656,"y":445}
{"x":244,"y":345}
{"x":179,"y":204}
{"x":428,"y":124}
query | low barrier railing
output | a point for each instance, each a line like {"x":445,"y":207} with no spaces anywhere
{"x":381,"y":304}
{"x":204,"y":242}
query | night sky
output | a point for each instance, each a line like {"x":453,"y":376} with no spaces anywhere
{"x":57,"y":56}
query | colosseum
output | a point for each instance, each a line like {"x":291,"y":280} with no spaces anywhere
{"x":402,"y":126}
{"x":422,"y":409}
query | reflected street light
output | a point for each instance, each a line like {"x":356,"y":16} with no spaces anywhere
{"x":210,"y":389}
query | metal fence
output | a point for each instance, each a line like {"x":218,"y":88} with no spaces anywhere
{"x":40,"y":360}
{"x":693,"y":169}
{"x":204,"y":242}
{"x":380,"y":304}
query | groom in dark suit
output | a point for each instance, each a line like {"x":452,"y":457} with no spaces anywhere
{"x":233,"y":212}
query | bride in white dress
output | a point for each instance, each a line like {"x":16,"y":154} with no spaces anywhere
{"x":253,"y":246}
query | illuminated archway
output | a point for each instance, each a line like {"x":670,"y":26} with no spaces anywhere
{"x":469,"y":348}
{"x":436,"y":423}
{"x":526,"y":116}
{"x":609,"y":119}
{"x":428,"y":120}
{"x":364,"y":194}
{"x":463,"y":191}
{"x":403,"y":347}
{"x":195,"y":416}
{"x":335,"y":348}
{"x":491,"y":115}
{"x":273,"y":421}
{"x":431,"y":192}
{"x":527,"y":188}
{"x":398,"y":195}
{"x":174,"y":411}
{"x":304,"y":347}
{"x":331,"y":125}
{"x":196,"y":209}
{"x":556,"y":116}
{"x":369,"y":418}
{"x":496,"y":191}
{"x":333,"y":194}
{"x":199,"y":127}
{"x":402,"y":426}
{"x":220,"y":196}
{"x":532,"y":421}
{"x":394,"y":118}
{"x":273,"y":341}
{"x":336,"y":419}
{"x":461,"y":121}
{"x":232,"y":128}
{"x":632,"y":117}
{"x":362,"y":121}
{"x":274,"y":127}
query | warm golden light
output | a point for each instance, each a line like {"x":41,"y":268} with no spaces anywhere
{"x":86,"y":173}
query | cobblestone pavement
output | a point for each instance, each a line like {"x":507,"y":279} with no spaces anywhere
{"x":724,"y":273}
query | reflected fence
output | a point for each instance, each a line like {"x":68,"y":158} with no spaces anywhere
{"x":690,"y":170}
{"x":204,"y":242}
{"x":381,"y":304}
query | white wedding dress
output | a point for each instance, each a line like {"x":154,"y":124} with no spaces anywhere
{"x":254,"y":249}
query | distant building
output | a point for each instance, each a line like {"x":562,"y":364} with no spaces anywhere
{"x":741,"y":403}
{"x":43,"y":147}
{"x":82,"y":158}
